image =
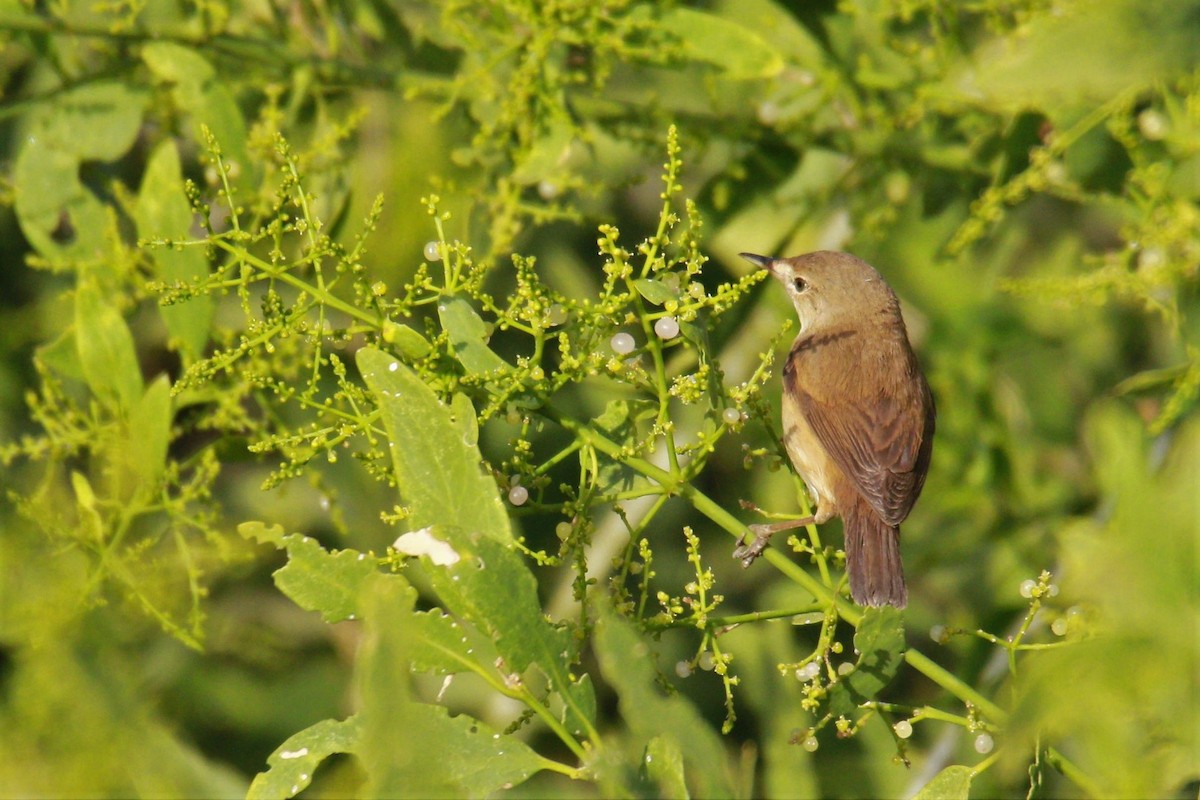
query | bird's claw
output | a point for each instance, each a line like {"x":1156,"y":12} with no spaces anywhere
{"x":747,"y":553}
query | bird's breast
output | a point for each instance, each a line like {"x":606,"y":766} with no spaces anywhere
{"x":809,"y":457}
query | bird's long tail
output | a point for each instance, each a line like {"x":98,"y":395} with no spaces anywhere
{"x":873,"y":558}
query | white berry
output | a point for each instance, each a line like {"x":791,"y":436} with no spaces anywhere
{"x":903,"y":729}
{"x":517,"y":495}
{"x":433,"y":251}
{"x":984,"y":743}
{"x":666,"y":328}
{"x":622,"y":344}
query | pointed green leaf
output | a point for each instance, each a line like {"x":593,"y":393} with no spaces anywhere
{"x":468,"y":336}
{"x":163,"y":212}
{"x":437,"y":466}
{"x":879,"y":641}
{"x":106,"y":350}
{"x":952,"y":783}
{"x":293,"y":763}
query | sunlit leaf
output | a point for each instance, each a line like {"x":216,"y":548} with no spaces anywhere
{"x":293,"y":763}
{"x":879,"y":641}
{"x":106,"y":350}
{"x":952,"y":783}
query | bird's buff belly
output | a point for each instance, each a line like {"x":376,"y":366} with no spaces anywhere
{"x":818,"y":470}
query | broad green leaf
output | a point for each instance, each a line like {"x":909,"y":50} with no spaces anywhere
{"x":626,"y":662}
{"x":654,"y":290}
{"x":468,"y":336}
{"x":58,"y":215}
{"x":411,"y":749}
{"x":314,"y":578}
{"x":106,"y":350}
{"x":199,"y":91}
{"x":952,"y":783}
{"x":663,"y":764}
{"x":491,"y":587}
{"x":879,"y":641}
{"x":443,"y":645}
{"x":437,"y":466}
{"x":163,"y":212}
{"x":291,"y":766}
{"x":738,"y":52}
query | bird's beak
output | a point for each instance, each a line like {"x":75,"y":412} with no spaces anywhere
{"x":759,"y":261}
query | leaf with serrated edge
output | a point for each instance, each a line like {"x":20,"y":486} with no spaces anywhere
{"x":314,"y":578}
{"x":437,"y":471}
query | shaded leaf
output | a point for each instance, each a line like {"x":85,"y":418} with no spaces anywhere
{"x":880,"y":643}
{"x":655,"y":291}
{"x":150,"y":433}
{"x":625,"y":660}
{"x":407,"y":341}
{"x":663,"y":764}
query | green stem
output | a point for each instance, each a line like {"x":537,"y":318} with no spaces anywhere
{"x":1073,"y":773}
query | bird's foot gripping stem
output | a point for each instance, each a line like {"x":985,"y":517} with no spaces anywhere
{"x":762,"y":537}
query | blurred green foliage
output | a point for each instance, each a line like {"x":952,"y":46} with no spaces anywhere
{"x":284,"y":281}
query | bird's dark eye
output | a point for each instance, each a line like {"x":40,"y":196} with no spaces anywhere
{"x":800,"y":284}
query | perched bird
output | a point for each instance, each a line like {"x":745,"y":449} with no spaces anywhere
{"x":858,"y":416}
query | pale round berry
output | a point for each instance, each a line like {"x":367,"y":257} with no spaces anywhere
{"x":1059,"y":626}
{"x":683,"y":669}
{"x":810,"y":743}
{"x":666,"y":328}
{"x":379,"y":288}
{"x":556,"y":315}
{"x":1153,"y":124}
{"x":562,"y":530}
{"x":809,"y":671}
{"x":984,"y":743}
{"x":518,"y":495}
{"x":706,"y":661}
{"x":433,"y":251}
{"x":547,"y":190}
{"x":730,"y":416}
{"x":903,"y":729}
{"x":938,"y":634}
{"x":1027,"y":587}
{"x":622,"y":344}
{"x":845,"y":668}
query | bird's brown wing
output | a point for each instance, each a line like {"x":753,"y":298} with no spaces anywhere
{"x":882,"y":445}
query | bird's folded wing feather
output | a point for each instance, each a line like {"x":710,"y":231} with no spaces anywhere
{"x":882,"y":446}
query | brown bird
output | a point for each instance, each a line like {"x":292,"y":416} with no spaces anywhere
{"x":858,"y":416}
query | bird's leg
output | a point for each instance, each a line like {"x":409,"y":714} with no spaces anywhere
{"x":762,"y":537}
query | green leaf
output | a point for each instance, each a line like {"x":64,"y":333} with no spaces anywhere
{"x":293,"y":763}
{"x":738,"y":52}
{"x":468,"y":336}
{"x":150,"y":433}
{"x":163,"y":212}
{"x":412,"y":749}
{"x":491,"y":587}
{"x":626,"y":662}
{"x":58,"y":215}
{"x":879,"y":641}
{"x":106,"y":350}
{"x":197,"y":90}
{"x":463,"y":411}
{"x":314,"y":578}
{"x":952,"y":783}
{"x":663,"y":764}
{"x":488,"y":585}
{"x":655,"y":291}
{"x":437,"y":466}
{"x":407,"y":341}
{"x":443,"y":645}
